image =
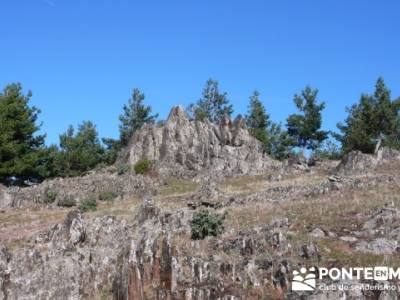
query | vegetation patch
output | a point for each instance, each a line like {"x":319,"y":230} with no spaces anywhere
{"x":67,"y":201}
{"x":89,"y":204}
{"x":123,"y":169}
{"x":143,"y":166}
{"x":49,"y":196}
{"x":107,"y":196}
{"x":206,"y":224}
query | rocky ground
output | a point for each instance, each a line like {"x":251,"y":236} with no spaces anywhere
{"x":140,"y":246}
{"x":138,"y":243}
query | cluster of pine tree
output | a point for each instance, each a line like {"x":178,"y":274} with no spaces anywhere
{"x":24,"y":156}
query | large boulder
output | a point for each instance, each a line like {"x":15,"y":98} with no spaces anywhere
{"x":356,"y":161}
{"x":195,"y":145}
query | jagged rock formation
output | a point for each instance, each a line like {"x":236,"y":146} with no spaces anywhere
{"x":196,"y":145}
{"x":74,"y":260}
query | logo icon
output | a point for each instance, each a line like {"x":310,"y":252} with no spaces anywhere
{"x":305,"y":280}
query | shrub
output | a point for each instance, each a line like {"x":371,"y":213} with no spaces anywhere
{"x":67,"y":201}
{"x":123,"y":168}
{"x":49,"y":196}
{"x":89,"y":204}
{"x":142,"y":166}
{"x":107,"y":196}
{"x":205,"y":224}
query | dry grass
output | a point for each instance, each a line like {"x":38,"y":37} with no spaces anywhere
{"x":18,"y":225}
{"x":176,"y":187}
{"x":338,"y":212}
{"x":119,"y":208}
{"x":245,"y":185}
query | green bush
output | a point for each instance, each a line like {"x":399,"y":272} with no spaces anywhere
{"x":107,"y":196}
{"x":89,"y":204}
{"x":49,"y":196}
{"x":142,"y":166}
{"x":205,"y":224}
{"x":123,"y":168}
{"x":67,"y":201}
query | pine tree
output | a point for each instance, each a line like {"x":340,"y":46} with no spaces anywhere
{"x":305,"y":128}
{"x":213,"y":105}
{"x":280,"y":143}
{"x":374,"y":117}
{"x":257,"y":120}
{"x":21,"y":147}
{"x":135,"y":115}
{"x":276,"y":142}
{"x":80,"y":151}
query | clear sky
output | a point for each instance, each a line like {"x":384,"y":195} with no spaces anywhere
{"x":82,"y":58}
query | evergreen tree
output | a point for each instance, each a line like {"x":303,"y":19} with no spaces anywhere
{"x":280,"y":143}
{"x":21,"y":147}
{"x":112,"y":148}
{"x":276,"y":142}
{"x":80,"y":151}
{"x":305,"y":128}
{"x":135,"y":115}
{"x":374,"y":117}
{"x":213,"y":105}
{"x":257,"y":120}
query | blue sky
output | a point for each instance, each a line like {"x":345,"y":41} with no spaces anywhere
{"x":82,"y":58}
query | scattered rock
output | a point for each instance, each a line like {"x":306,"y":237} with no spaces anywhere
{"x":349,"y":239}
{"x":317,"y":233}
{"x":208,"y":195}
{"x":97,"y":184}
{"x":308,"y":251}
{"x":298,"y":162}
{"x":378,"y":246}
{"x":335,"y":178}
{"x":384,"y":216}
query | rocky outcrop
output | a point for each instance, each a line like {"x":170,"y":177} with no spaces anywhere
{"x":150,"y":258}
{"x":5,"y":197}
{"x":96,"y":184}
{"x":163,"y":265}
{"x":194,"y":145}
{"x":78,"y":259}
{"x":151,"y":255}
{"x":357,"y":162}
